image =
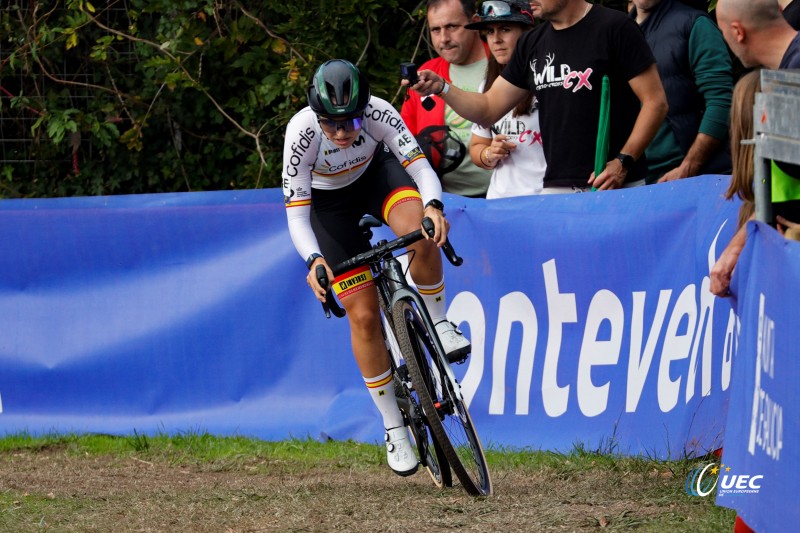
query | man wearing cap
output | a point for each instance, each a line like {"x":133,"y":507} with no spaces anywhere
{"x":564,"y":60}
{"x":462,"y":62}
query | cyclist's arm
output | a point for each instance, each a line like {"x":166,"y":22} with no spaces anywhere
{"x":299,"y":154}
{"x":430,"y":188}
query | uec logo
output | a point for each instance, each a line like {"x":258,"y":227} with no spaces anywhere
{"x":702,"y":481}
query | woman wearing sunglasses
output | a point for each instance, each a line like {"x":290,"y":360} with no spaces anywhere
{"x":512,"y":147}
{"x":345,"y":155}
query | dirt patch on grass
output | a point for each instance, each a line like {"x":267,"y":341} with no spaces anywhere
{"x":52,"y":490}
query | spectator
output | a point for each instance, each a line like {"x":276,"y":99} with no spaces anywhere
{"x":514,"y":152}
{"x":696,"y":70}
{"x":462,"y":62}
{"x":791,"y":12}
{"x":564,"y":61}
{"x":759,"y":36}
{"x":741,"y":185}
{"x":742,"y":102}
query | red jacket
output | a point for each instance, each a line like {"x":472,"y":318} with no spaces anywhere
{"x":414,"y":115}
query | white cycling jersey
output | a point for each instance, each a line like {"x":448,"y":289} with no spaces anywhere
{"x":311,"y":160}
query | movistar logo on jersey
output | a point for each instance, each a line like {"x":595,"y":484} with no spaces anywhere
{"x":561,"y":76}
{"x":299,"y":149}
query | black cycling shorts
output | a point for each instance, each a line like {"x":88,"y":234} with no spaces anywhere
{"x":335,"y":213}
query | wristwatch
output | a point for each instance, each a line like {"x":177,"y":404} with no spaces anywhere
{"x":445,"y":89}
{"x":311,"y":258}
{"x":626,"y":160}
{"x":436,"y":204}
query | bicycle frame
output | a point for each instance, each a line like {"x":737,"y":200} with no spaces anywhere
{"x":431,"y":400}
{"x":399,"y":289}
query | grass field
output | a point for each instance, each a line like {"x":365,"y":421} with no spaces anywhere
{"x":198,"y":482}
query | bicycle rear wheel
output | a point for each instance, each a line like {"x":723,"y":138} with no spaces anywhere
{"x":440,"y":397}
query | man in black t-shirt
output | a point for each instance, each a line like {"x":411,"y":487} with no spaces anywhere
{"x":564,"y":61}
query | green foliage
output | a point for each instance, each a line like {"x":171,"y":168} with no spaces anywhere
{"x":165,"y":95}
{"x":177,"y":95}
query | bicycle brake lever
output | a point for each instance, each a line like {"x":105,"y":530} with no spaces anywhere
{"x":329,"y":305}
{"x":322,"y":278}
{"x":447,"y":248}
{"x":334,"y":307}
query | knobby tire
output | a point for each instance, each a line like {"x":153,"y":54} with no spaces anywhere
{"x":430,"y":453}
{"x":446,"y":414}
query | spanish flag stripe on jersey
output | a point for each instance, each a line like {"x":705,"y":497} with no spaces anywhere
{"x":299,"y":203}
{"x":399,"y":196}
{"x":405,"y":163}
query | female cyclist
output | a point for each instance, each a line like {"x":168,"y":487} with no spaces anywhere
{"x":345,"y":155}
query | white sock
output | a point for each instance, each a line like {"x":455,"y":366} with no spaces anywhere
{"x":381,"y":388}
{"x":434,"y":298}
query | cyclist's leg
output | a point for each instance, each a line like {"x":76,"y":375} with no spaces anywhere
{"x":370,"y":352}
{"x":396,"y":200}
{"x":401,"y":208}
{"x":334,"y":219}
{"x":373,"y":361}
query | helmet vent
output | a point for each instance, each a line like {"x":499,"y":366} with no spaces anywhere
{"x":340,"y":96}
{"x":338,"y":90}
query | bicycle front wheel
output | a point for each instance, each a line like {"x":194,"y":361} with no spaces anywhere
{"x":429,"y":452}
{"x":443,"y":407}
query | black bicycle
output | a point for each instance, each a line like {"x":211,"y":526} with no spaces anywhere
{"x":427,"y":391}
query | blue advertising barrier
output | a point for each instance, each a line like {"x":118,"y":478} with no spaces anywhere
{"x":760,"y":462}
{"x":589,"y":314}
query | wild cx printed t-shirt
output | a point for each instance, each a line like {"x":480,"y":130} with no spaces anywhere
{"x":566,"y":69}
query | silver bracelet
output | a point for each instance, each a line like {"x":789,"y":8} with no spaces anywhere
{"x":445,"y":89}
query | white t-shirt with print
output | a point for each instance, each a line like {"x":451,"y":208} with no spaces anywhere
{"x":522,"y":172}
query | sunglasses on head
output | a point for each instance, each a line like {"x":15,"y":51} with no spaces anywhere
{"x":496,"y":9}
{"x":348,"y":124}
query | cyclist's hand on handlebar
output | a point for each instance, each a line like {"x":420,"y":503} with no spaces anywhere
{"x":441,"y":225}
{"x":313,"y":282}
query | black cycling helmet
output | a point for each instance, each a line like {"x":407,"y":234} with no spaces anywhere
{"x":338,"y":90}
